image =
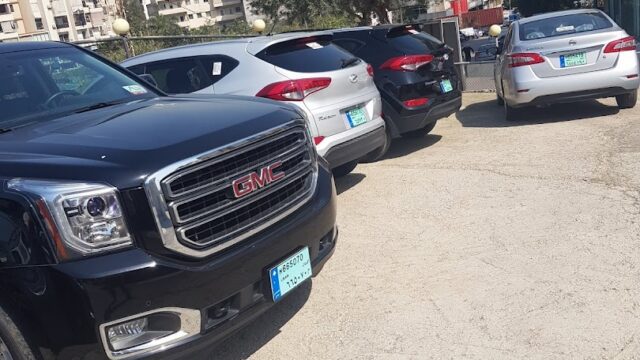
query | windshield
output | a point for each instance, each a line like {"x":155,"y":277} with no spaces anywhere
{"x":41,"y":85}
{"x":563,"y":25}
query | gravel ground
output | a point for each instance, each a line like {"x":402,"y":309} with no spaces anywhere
{"x":485,"y":239}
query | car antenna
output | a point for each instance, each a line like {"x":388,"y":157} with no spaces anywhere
{"x":275,"y":22}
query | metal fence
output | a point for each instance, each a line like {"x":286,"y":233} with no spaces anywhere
{"x":477,"y":76}
{"x":121,"y":48}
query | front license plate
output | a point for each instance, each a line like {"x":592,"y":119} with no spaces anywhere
{"x":573,"y":60}
{"x":290,"y":273}
{"x":356,"y":117}
{"x":446,"y":86}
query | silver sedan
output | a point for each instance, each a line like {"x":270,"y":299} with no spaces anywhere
{"x":566,"y":56}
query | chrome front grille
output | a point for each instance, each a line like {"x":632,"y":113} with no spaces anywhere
{"x":201,"y":213}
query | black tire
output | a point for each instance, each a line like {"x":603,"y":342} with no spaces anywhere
{"x":511,"y":114}
{"x":14,"y":342}
{"x":499,"y":99}
{"x":344,"y":169}
{"x":627,"y":101}
{"x":380,"y":152}
{"x":420,"y":132}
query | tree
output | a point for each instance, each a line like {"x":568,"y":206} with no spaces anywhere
{"x":532,"y":7}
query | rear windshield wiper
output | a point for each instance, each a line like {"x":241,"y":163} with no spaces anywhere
{"x":348,"y":62}
{"x":99,"y":105}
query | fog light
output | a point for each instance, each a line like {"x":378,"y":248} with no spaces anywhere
{"x":150,"y":332}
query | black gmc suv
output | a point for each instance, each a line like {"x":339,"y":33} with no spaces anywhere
{"x":134,"y":224}
{"x":414,"y":73}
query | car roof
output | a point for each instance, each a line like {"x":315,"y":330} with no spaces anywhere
{"x":553,"y":14}
{"x":253,"y":45}
{"x":9,"y":47}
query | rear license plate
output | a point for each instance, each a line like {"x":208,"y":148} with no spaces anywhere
{"x":445,"y":86}
{"x":356,"y":117}
{"x":570,"y":60}
{"x":290,"y":273}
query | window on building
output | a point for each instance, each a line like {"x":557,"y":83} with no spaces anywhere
{"x":64,"y":37}
{"x":62,"y":22}
{"x":4,"y":9}
{"x":39,"y":24}
{"x":238,"y":9}
{"x":79,"y":19}
{"x":181,"y":17}
{"x":11,"y":7}
{"x":190,"y":16}
{"x":222,"y":12}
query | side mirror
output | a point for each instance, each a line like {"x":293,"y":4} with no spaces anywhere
{"x":149,"y":79}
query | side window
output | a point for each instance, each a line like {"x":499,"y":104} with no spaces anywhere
{"x":137,"y":69}
{"x":218,"y":66}
{"x":351,"y":45}
{"x":179,"y":76}
{"x":69,"y":75}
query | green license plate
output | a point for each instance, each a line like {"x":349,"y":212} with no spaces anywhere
{"x":445,"y":86}
{"x":573,"y":60}
{"x":290,"y":273}
{"x":356,"y":117}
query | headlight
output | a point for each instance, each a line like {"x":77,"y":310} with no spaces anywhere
{"x":83,"y":219}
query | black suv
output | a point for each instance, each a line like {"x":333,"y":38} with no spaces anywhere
{"x":414,"y":73}
{"x":134,"y":224}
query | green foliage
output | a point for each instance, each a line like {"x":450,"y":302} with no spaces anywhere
{"x":532,"y":7}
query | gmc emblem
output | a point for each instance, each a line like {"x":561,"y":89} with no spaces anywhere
{"x":257,"y":180}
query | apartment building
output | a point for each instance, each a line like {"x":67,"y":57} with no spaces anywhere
{"x":195,"y":13}
{"x":17,"y":22}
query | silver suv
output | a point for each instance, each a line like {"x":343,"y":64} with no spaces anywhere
{"x":334,"y":88}
{"x":564,"y":57}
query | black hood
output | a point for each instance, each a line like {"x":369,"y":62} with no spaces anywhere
{"x":123,"y":144}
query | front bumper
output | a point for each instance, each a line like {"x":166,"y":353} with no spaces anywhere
{"x":77,"y":297}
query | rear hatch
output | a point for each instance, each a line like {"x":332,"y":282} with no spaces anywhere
{"x":343,"y":81}
{"x":422,"y":69}
{"x":570,"y":44}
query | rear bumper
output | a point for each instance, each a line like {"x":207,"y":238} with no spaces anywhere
{"x":355,"y":149}
{"x":88,"y":293}
{"x":525,"y":88}
{"x":409,"y":120}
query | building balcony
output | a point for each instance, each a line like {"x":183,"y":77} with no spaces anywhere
{"x":231,"y":17}
{"x":175,"y":11}
{"x":221,"y":3}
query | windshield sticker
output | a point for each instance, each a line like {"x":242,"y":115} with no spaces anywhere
{"x":565,"y":28}
{"x":217,"y":69}
{"x":314,"y":45}
{"x":135,"y":89}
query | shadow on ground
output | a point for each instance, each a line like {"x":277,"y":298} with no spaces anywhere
{"x":404,"y":146}
{"x":489,"y":114}
{"x":250,"y":339}
{"x":345,"y":183}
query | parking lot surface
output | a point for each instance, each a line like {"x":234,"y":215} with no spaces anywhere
{"x":485,"y":239}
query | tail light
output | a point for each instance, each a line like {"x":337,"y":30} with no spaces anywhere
{"x":318,"y":139}
{"x":415,"y":102}
{"x":407,"y":63}
{"x":293,"y":90}
{"x":524,"y":59}
{"x":625,"y":44}
{"x":370,"y":70}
